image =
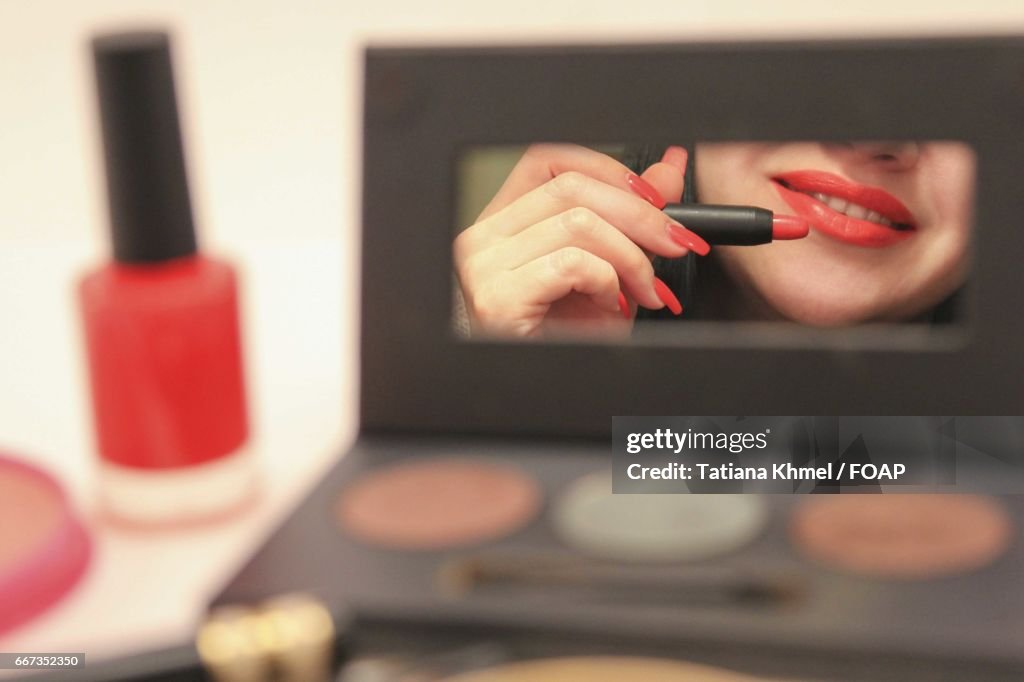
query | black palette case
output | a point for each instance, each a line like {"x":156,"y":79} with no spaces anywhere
{"x":546,"y":408}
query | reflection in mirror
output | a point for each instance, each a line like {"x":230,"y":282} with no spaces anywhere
{"x":557,"y":240}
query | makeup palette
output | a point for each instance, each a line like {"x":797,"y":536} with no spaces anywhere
{"x":471,"y":533}
{"x":537,"y":559}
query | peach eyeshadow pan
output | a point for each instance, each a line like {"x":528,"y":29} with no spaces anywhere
{"x":903,"y":536}
{"x":438,"y":503}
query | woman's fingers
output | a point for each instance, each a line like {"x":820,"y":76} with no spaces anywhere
{"x":542,"y":162}
{"x":570,"y":231}
{"x":583,"y":228}
{"x":667,"y":175}
{"x":677,"y":157}
{"x":561,"y":272}
{"x":517,"y":301}
{"x":632,"y":215}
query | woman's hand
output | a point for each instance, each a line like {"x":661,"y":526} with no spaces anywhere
{"x":568,"y":233}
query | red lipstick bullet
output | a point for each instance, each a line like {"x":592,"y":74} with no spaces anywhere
{"x":789,"y":227}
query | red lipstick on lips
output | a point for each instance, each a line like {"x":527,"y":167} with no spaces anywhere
{"x":796,"y":188}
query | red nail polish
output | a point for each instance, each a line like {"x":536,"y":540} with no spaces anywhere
{"x":667,"y":297}
{"x":676,"y":156}
{"x":680,"y":235}
{"x":161,"y":321}
{"x":645,"y":190}
{"x":624,"y":306}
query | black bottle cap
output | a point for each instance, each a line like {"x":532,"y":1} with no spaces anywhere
{"x":150,"y":210}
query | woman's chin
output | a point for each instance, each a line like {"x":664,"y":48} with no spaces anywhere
{"x":823,"y":291}
{"x":826,"y":311}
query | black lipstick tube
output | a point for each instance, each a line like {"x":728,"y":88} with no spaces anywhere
{"x":725,"y":225}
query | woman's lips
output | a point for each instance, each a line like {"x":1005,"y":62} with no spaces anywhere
{"x":871,"y":208}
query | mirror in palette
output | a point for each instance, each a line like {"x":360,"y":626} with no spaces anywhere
{"x":797,"y":240}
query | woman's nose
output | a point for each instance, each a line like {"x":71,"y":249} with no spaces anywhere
{"x":895,"y":156}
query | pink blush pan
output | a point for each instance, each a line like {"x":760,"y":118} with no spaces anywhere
{"x":44,"y":550}
{"x":438,"y":503}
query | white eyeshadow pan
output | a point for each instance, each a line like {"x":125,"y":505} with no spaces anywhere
{"x":654,"y":527}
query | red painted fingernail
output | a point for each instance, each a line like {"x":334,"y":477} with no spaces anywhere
{"x":680,"y":235}
{"x":676,"y":156}
{"x":624,"y":306}
{"x":645,"y":190}
{"x":667,"y":297}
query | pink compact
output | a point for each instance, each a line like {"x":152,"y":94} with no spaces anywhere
{"x":44,"y":549}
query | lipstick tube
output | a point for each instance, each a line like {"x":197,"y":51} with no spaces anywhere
{"x":736,"y":225}
{"x":161,"y":321}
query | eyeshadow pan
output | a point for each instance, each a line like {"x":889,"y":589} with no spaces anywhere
{"x":43,"y":548}
{"x":438,"y":503}
{"x":602,"y":669}
{"x":902,"y":536}
{"x":654,"y":527}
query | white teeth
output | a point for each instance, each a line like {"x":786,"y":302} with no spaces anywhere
{"x":838,"y":205}
{"x":853,"y":210}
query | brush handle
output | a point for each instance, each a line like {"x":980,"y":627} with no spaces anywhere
{"x":689,"y":584}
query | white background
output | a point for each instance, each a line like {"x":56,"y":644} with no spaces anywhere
{"x":269,"y":98}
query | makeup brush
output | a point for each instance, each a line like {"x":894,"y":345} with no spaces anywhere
{"x":688,"y":585}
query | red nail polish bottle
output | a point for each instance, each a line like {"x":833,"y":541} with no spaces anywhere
{"x":161,"y":320}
